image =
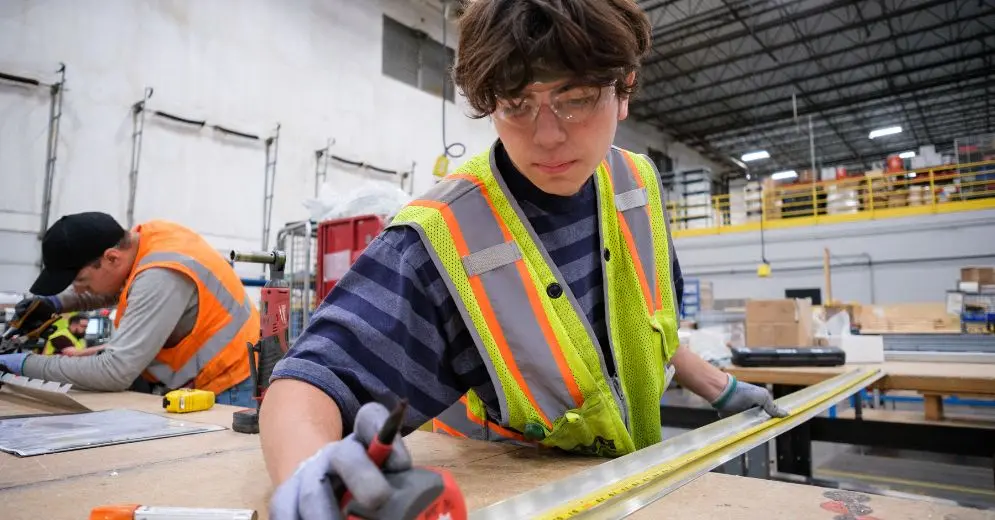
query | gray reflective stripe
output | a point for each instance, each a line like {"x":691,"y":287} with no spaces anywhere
{"x":636,"y":217}
{"x":491,"y":258}
{"x":240,"y":314}
{"x":631,"y":199}
{"x":461,"y":306}
{"x":532,"y":353}
{"x":448,"y":190}
{"x":480,"y":229}
{"x":457,"y":418}
{"x":507,"y":296}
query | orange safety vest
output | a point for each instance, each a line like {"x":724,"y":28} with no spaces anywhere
{"x":214,"y":356}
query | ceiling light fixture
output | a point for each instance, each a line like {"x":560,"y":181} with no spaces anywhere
{"x":755,"y":156}
{"x":881,"y":132}
{"x":787,"y":174}
{"x":907,"y":155}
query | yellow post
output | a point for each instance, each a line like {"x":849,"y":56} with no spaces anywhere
{"x":870,"y":194}
{"x":815,"y":201}
{"x":826,"y":271}
{"x":932,"y":191}
{"x":763,"y":204}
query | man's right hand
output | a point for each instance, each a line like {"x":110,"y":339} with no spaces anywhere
{"x":308,"y":492}
{"x":34,"y":318}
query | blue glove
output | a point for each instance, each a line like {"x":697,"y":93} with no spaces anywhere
{"x":739,"y":396}
{"x":308,"y":492}
{"x":13,"y":362}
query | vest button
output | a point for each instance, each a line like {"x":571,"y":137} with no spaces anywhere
{"x":608,"y":255}
{"x":554,"y":290}
{"x":534,"y":432}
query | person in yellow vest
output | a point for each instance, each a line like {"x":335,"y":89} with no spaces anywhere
{"x":531,"y":296}
{"x":68,"y":339}
{"x":183,"y":316}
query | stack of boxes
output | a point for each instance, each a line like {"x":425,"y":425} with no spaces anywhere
{"x":693,"y":191}
{"x":842,"y":199}
{"x":779,"y":323}
{"x":974,"y":300}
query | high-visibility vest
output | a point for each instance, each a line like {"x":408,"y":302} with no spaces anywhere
{"x":539,"y":348}
{"x":62,"y":330}
{"x":213,"y":356}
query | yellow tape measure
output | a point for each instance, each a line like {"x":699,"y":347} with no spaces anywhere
{"x":187,"y":400}
{"x":576,"y":507}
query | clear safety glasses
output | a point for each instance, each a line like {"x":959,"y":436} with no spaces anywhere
{"x":571,"y":106}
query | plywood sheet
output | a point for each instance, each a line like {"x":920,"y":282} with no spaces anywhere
{"x":225,"y":469}
{"x":21,"y":471}
{"x":908,"y":318}
{"x":726,"y":497}
{"x":238,"y":479}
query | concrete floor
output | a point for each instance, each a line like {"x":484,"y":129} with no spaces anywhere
{"x":969,"y":481}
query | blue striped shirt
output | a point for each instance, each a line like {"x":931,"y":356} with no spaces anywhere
{"x":390,"y":329}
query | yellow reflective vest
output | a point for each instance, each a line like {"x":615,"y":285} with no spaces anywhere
{"x":62,"y":330}
{"x":538,"y":347}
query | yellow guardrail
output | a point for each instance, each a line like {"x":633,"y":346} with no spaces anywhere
{"x":940,"y":189}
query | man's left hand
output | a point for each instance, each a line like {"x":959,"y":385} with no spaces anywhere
{"x":739,"y":396}
{"x":13,"y":362}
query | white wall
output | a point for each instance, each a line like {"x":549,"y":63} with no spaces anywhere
{"x":314,"y":66}
{"x":639,"y":137}
{"x":913,"y":259}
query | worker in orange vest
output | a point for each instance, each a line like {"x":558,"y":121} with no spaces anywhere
{"x":183,"y":316}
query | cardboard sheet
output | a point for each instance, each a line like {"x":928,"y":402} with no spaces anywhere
{"x":27,"y":436}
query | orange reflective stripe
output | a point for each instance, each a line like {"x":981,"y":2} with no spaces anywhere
{"x":496,"y":428}
{"x":639,"y":182}
{"x":445,"y":428}
{"x":534,"y":302}
{"x":484,"y":303}
{"x":631,"y":244}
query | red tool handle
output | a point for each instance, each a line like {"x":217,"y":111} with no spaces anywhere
{"x":379,"y":449}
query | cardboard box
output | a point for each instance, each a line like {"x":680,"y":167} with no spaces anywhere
{"x":982,"y":275}
{"x":779,"y":323}
{"x":908,"y":318}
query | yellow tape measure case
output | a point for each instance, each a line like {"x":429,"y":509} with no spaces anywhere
{"x":187,"y":400}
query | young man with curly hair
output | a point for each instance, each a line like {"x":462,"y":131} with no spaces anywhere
{"x":531,"y":296}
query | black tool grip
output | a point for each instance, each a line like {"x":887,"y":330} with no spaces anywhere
{"x":19,"y":79}
{"x":179,"y":119}
{"x":235,"y":133}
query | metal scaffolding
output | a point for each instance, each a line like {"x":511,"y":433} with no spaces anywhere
{"x":55,"y":91}
{"x":722,"y":75}
{"x":138,"y":112}
{"x":269,"y":183}
{"x":321,"y":165}
{"x":405,"y":179}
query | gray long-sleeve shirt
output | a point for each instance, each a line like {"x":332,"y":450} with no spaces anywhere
{"x":162,"y":310}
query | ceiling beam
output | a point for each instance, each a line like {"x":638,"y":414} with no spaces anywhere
{"x":971,"y":85}
{"x":836,"y":103}
{"x":778,"y":46}
{"x":680,"y":107}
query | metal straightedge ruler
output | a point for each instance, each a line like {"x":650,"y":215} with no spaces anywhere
{"x":622,"y":486}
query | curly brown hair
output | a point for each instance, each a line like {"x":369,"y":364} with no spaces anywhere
{"x":504,"y":45}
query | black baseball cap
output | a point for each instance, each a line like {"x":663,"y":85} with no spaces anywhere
{"x":70,"y":244}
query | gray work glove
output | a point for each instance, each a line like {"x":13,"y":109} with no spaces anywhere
{"x":308,"y":494}
{"x":739,"y":396}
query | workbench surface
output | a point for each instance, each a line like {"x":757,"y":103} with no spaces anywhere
{"x":936,"y":378}
{"x":225,"y":469}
